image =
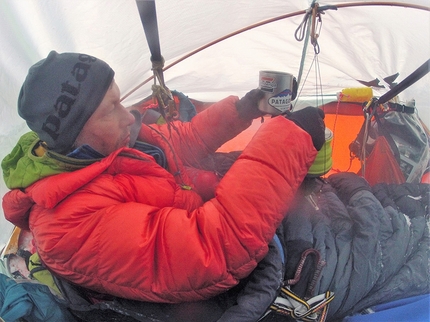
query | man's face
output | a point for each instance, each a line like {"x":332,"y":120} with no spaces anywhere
{"x":108,"y":128}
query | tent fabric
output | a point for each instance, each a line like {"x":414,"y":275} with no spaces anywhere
{"x":382,"y":166}
{"x":356,"y":43}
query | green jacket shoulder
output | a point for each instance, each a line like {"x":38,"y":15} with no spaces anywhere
{"x":30,"y":161}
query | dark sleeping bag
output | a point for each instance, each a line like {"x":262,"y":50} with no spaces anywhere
{"x":373,"y":242}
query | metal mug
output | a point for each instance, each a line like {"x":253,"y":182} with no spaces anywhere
{"x":279,"y":89}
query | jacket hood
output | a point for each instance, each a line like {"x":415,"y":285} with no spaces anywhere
{"x":30,"y":161}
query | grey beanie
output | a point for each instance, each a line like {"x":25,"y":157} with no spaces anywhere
{"x":60,"y":94}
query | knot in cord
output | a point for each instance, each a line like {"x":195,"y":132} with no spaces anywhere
{"x":157,"y":64}
{"x":314,"y":14}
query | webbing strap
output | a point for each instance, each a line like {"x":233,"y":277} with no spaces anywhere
{"x":313,"y":310}
{"x":401,"y":108}
{"x":148,"y":17}
{"x":408,"y":81}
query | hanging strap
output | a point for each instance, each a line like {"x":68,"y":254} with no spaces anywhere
{"x":161,"y":93}
{"x":148,"y":17}
{"x":401,"y":108}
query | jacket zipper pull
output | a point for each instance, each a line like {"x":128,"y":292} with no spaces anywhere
{"x":312,"y":202}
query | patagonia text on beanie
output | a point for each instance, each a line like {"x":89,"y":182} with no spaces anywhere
{"x":60,"y":94}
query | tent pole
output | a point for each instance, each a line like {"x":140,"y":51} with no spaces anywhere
{"x":267,"y":21}
{"x":408,"y":81}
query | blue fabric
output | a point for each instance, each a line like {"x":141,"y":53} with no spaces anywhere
{"x":412,"y":309}
{"x":187,"y":110}
{"x":85,"y":152}
{"x":280,"y":248}
{"x":152,"y":150}
{"x":31,"y":301}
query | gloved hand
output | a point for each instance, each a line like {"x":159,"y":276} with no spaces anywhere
{"x":347,"y":184}
{"x":247,"y":106}
{"x":311,"y":120}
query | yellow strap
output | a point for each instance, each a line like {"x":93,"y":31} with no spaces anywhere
{"x":315,"y":309}
{"x":295,"y":297}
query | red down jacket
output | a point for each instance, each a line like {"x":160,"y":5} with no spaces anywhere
{"x":125,"y":226}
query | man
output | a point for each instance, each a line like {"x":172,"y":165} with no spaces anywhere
{"x":114,"y":220}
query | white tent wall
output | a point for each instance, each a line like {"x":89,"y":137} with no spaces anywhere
{"x":360,"y":42}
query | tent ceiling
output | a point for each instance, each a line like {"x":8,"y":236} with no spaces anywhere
{"x":356,"y":42}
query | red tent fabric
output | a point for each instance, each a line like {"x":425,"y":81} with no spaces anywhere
{"x":381,"y":166}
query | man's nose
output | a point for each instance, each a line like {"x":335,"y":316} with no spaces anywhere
{"x":131,"y":117}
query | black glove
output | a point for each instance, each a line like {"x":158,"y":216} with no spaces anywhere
{"x":347,"y":184}
{"x":311,"y":120}
{"x":247,"y":106}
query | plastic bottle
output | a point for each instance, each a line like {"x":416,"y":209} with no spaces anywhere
{"x":355,"y":94}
